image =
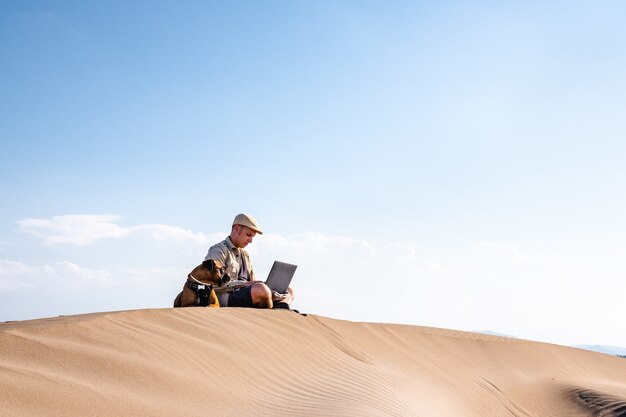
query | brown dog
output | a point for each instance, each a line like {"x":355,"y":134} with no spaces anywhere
{"x":198,"y":290}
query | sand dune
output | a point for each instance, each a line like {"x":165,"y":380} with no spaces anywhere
{"x":243,"y":362}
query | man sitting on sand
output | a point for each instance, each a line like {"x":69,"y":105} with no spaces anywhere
{"x":247,"y":292}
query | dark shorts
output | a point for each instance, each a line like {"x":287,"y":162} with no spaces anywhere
{"x":241,"y":297}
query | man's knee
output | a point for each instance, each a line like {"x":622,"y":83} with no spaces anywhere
{"x":261,"y":295}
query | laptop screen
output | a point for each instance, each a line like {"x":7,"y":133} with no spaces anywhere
{"x":280,"y":276}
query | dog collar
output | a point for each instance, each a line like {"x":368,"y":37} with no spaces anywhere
{"x":198,"y":287}
{"x":194,"y":284}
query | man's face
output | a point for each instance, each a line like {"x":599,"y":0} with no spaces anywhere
{"x":241,"y":236}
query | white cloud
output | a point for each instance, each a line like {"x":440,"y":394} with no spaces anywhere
{"x":75,"y":272}
{"x":17,"y":275}
{"x":12,"y":274}
{"x":541,"y":296}
{"x":506,"y":288}
{"x":313,"y":244}
{"x":86,"y":229}
{"x":165,"y":232}
{"x":77,"y":230}
{"x":28,"y":291}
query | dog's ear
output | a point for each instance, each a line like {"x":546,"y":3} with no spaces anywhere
{"x":209,"y":264}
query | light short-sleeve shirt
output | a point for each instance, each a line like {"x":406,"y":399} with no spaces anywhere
{"x":236,"y":261}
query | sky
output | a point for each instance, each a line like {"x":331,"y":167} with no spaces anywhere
{"x":451,"y":164}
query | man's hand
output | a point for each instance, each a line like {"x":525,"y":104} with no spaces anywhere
{"x":285,"y":298}
{"x":276,"y":296}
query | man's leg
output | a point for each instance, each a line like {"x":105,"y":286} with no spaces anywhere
{"x":261,"y":295}
{"x":257,"y":295}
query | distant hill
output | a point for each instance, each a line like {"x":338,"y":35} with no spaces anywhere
{"x":609,"y":350}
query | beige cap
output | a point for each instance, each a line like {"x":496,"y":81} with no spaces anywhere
{"x":247,"y":220}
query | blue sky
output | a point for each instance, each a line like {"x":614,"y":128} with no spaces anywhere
{"x":464,"y":159}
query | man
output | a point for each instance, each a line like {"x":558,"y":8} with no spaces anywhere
{"x":247,"y":292}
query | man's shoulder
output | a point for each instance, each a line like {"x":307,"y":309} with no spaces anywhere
{"x":221,"y":244}
{"x":218,"y":251}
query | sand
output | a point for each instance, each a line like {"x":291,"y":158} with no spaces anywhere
{"x":245,"y":362}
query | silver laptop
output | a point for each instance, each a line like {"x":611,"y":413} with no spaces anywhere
{"x":280,"y":276}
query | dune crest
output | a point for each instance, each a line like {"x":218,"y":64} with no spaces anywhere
{"x":242,"y":362}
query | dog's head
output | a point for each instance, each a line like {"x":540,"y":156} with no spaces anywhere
{"x":211,"y":272}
